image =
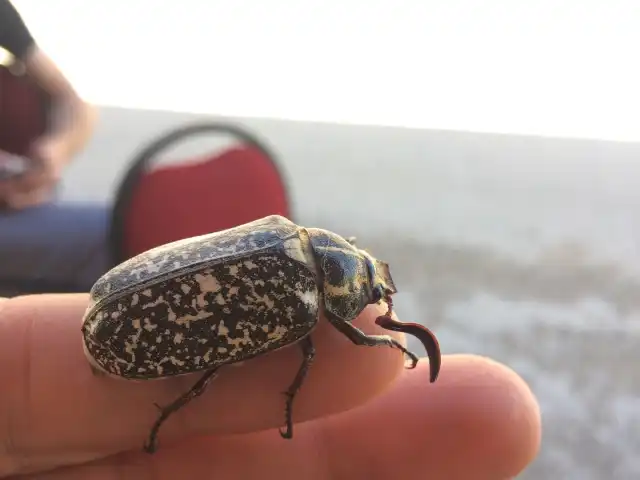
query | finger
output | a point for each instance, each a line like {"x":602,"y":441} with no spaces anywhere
{"x":20,"y":199}
{"x":55,"y":411}
{"x":479,"y":421}
{"x":32,"y":178}
{"x":6,"y":188}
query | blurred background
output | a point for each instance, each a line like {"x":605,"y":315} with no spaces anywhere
{"x":489,"y":152}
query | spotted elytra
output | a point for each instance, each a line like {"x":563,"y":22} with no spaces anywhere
{"x":198,"y":304}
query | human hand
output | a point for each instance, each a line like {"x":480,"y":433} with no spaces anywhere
{"x":37,"y":183}
{"x":57,"y":420}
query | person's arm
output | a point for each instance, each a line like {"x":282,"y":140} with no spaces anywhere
{"x":15,"y":37}
{"x":73,"y":119}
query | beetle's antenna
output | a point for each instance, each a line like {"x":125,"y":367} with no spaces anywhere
{"x":422,"y":333}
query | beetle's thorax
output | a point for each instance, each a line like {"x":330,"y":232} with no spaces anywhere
{"x":348,"y":274}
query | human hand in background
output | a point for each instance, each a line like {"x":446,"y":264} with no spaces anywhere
{"x":37,"y":180}
{"x":365,"y":415}
{"x":70,"y":123}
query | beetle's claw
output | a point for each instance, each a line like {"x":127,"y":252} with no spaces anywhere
{"x":150,"y":447}
{"x":414,"y":361}
{"x":412,"y":365}
{"x":286,"y":434}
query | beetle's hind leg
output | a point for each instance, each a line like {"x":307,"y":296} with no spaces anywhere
{"x":358,"y":337}
{"x":165,"y":412}
{"x":308,"y":354}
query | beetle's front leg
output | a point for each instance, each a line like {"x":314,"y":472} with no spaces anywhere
{"x":308,"y":354}
{"x":358,"y":337}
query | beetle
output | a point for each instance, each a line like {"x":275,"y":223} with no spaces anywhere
{"x":198,"y":304}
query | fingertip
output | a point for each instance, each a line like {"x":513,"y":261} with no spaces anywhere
{"x":483,"y":411}
{"x":519,"y":421}
{"x":478,"y":420}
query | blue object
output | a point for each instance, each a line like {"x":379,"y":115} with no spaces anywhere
{"x":53,"y":248}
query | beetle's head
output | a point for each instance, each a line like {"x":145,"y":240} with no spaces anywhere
{"x":382,"y":286}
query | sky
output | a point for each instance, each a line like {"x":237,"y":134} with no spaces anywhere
{"x":559,"y":68}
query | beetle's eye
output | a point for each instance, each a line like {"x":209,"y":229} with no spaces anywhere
{"x":378,"y":292}
{"x":371,"y":271}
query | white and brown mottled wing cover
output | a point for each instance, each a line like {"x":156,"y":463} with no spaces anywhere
{"x":204,"y":302}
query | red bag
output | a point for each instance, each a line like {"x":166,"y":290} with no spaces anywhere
{"x":24,"y":111}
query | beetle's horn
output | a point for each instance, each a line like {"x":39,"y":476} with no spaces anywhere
{"x":422,"y":333}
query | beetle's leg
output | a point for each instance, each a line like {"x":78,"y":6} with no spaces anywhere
{"x":165,"y":412}
{"x":358,"y":337}
{"x":308,"y":354}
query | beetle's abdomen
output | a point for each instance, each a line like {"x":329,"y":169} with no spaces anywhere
{"x":188,"y":254}
{"x":223,"y":314}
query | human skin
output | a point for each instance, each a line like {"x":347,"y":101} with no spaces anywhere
{"x":74,"y":119}
{"x":364,"y":415}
